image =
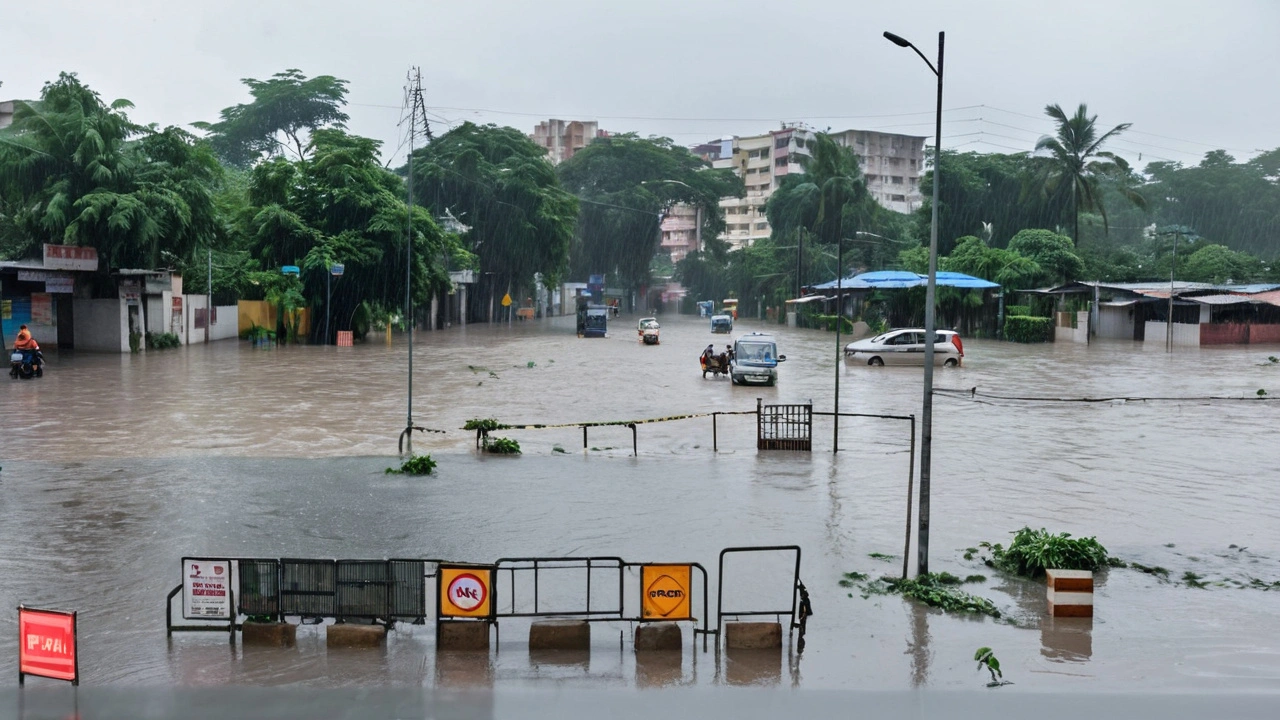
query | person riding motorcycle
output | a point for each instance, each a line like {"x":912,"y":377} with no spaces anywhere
{"x":24,"y":341}
{"x":32,"y":360}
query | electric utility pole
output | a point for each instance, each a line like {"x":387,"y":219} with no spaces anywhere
{"x":414,"y":120}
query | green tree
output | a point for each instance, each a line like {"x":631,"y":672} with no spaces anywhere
{"x":1077,"y":162}
{"x":1219,"y":264}
{"x":285,"y":109}
{"x":340,"y":205}
{"x":994,"y":195}
{"x":1053,"y":253}
{"x":74,"y":170}
{"x":498,"y":184}
{"x":1236,"y":204}
{"x":625,"y":183}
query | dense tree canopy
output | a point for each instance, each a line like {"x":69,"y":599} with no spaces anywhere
{"x":498,"y":184}
{"x":625,"y":184}
{"x":284,"y":109}
{"x":76,"y":171}
{"x":341,"y":206}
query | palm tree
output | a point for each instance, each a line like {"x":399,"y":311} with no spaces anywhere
{"x":1078,"y":162}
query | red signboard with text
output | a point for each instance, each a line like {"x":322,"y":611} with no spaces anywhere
{"x":47,"y":645}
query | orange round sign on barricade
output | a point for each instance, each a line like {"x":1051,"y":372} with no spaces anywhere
{"x":466,"y":592}
{"x":665,"y":592}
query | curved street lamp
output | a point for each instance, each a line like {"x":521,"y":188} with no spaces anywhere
{"x":926,"y":415}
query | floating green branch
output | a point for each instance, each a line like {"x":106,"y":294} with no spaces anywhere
{"x":937,"y":590}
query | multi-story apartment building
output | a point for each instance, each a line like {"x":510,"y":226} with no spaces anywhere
{"x":6,"y":114}
{"x":890,"y":163}
{"x":680,"y":231}
{"x":562,"y":138}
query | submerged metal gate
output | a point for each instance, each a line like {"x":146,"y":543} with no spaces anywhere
{"x":784,"y":427}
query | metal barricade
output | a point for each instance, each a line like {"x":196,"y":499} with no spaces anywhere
{"x":259,"y":587}
{"x":308,"y":588}
{"x":784,"y":427}
{"x":791,"y":612}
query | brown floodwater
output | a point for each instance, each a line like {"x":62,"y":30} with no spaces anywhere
{"x":115,"y":467}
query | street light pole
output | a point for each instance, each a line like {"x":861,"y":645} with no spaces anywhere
{"x":926,"y":415}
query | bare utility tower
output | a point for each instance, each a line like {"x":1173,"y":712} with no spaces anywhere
{"x":413,"y":121}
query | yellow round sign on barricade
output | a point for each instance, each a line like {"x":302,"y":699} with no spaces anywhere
{"x":466,"y":592}
{"x":664,"y":592}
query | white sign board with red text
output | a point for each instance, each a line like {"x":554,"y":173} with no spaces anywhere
{"x":206,"y":589}
{"x":70,"y":257}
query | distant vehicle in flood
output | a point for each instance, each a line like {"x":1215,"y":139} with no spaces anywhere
{"x":721,"y":324}
{"x":905,"y":346}
{"x":593,"y":320}
{"x":647,"y":329}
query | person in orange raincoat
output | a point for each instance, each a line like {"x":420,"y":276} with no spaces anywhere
{"x":24,"y":341}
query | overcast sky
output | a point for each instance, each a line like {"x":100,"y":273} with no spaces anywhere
{"x":1191,"y":75}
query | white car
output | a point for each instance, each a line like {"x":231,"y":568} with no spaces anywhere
{"x":905,"y":346}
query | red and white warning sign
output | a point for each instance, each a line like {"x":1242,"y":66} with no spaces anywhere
{"x":206,"y":589}
{"x":47,"y":645}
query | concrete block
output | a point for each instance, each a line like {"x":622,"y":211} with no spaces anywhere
{"x":269,"y":634}
{"x":459,"y":635}
{"x":560,"y":635}
{"x":665,"y":637}
{"x":353,"y":636}
{"x":1069,"y":580}
{"x":752,"y":635}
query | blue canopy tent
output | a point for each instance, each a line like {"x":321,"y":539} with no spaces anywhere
{"x":863,"y":283}
{"x":896,"y":279}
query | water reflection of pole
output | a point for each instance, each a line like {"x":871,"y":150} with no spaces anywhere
{"x":835,"y":434}
{"x":918,"y":647}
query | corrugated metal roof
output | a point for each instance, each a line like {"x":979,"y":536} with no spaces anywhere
{"x":1251,"y":289}
{"x":1221,"y":299}
{"x":1271,"y":298}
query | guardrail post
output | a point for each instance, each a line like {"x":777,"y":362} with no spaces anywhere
{"x":584,"y":438}
{"x":634,"y":451}
{"x":714,"y":438}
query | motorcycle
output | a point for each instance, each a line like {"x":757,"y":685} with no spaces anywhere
{"x":717,"y":365}
{"x":26,"y":364}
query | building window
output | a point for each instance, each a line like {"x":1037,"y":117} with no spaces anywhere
{"x":781,"y":161}
{"x":762,"y":226}
{"x":897,"y":179}
{"x":898,"y":198}
{"x":781,"y":143}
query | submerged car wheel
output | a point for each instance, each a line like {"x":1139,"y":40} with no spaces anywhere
{"x":875,"y":361}
{"x":950,"y":362}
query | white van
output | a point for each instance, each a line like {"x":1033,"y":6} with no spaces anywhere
{"x":755,"y":360}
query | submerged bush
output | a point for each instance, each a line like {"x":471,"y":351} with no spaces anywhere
{"x":502,"y":446}
{"x":1034,"y":551}
{"x":482,"y":424}
{"x":416,"y":465}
